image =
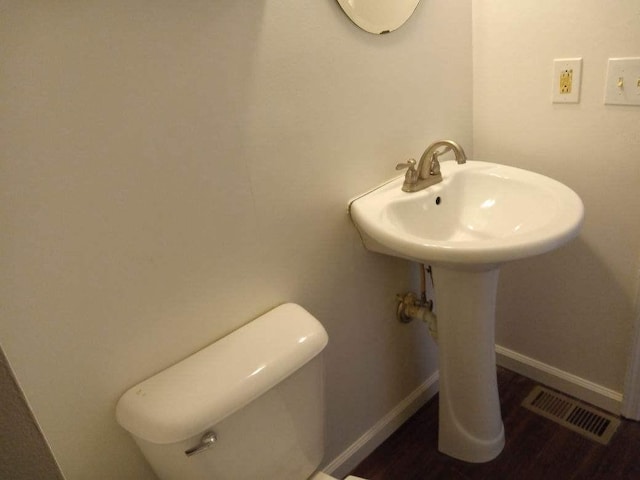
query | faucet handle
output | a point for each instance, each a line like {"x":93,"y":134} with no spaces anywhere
{"x":411,"y":177}
{"x":434,"y":166}
{"x":410,"y":164}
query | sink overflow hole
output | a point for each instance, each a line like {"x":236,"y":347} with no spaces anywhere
{"x":438,"y":200}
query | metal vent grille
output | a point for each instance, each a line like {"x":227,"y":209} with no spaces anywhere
{"x":572,"y":414}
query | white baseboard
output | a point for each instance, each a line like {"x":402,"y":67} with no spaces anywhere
{"x":372,"y":438}
{"x":553,"y":377}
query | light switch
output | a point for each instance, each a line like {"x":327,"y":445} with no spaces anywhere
{"x":623,"y":82}
{"x":567,"y":73}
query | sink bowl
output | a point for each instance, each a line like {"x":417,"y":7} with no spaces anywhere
{"x":481,"y":214}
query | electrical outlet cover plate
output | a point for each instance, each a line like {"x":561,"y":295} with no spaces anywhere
{"x":623,"y":82}
{"x":567,"y":74}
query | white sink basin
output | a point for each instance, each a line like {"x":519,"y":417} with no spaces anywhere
{"x":481,"y":214}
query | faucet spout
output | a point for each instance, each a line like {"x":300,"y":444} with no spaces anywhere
{"x":428,"y":171}
{"x":429,"y":159}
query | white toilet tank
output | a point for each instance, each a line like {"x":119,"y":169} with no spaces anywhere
{"x":258,"y":392}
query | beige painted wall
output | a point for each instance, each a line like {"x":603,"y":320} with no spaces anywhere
{"x":171,"y":170}
{"x":572,"y":309}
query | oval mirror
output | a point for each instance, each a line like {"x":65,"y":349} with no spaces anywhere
{"x":379,"y":16}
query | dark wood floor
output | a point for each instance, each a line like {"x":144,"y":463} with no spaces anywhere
{"x":536,"y":448}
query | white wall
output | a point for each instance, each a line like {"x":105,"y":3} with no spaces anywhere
{"x":572,"y":309}
{"x":171,"y":170}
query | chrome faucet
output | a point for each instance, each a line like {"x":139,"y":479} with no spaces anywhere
{"x":428,"y":171}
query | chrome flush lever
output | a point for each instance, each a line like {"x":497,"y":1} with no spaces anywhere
{"x":207,"y":441}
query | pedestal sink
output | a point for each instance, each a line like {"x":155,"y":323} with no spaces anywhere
{"x":480,"y":216}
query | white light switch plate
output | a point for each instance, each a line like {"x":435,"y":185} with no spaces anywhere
{"x":623,"y":82}
{"x":567,"y":73}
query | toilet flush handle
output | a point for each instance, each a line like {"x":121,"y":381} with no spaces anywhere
{"x":207,"y":441}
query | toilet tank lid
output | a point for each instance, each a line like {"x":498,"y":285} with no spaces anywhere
{"x":203,"y":389}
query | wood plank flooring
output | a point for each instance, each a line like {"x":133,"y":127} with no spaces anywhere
{"x":536,"y":448}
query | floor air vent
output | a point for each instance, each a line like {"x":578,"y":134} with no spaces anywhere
{"x":572,"y":414}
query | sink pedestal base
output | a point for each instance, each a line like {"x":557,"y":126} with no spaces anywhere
{"x":470,"y":425}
